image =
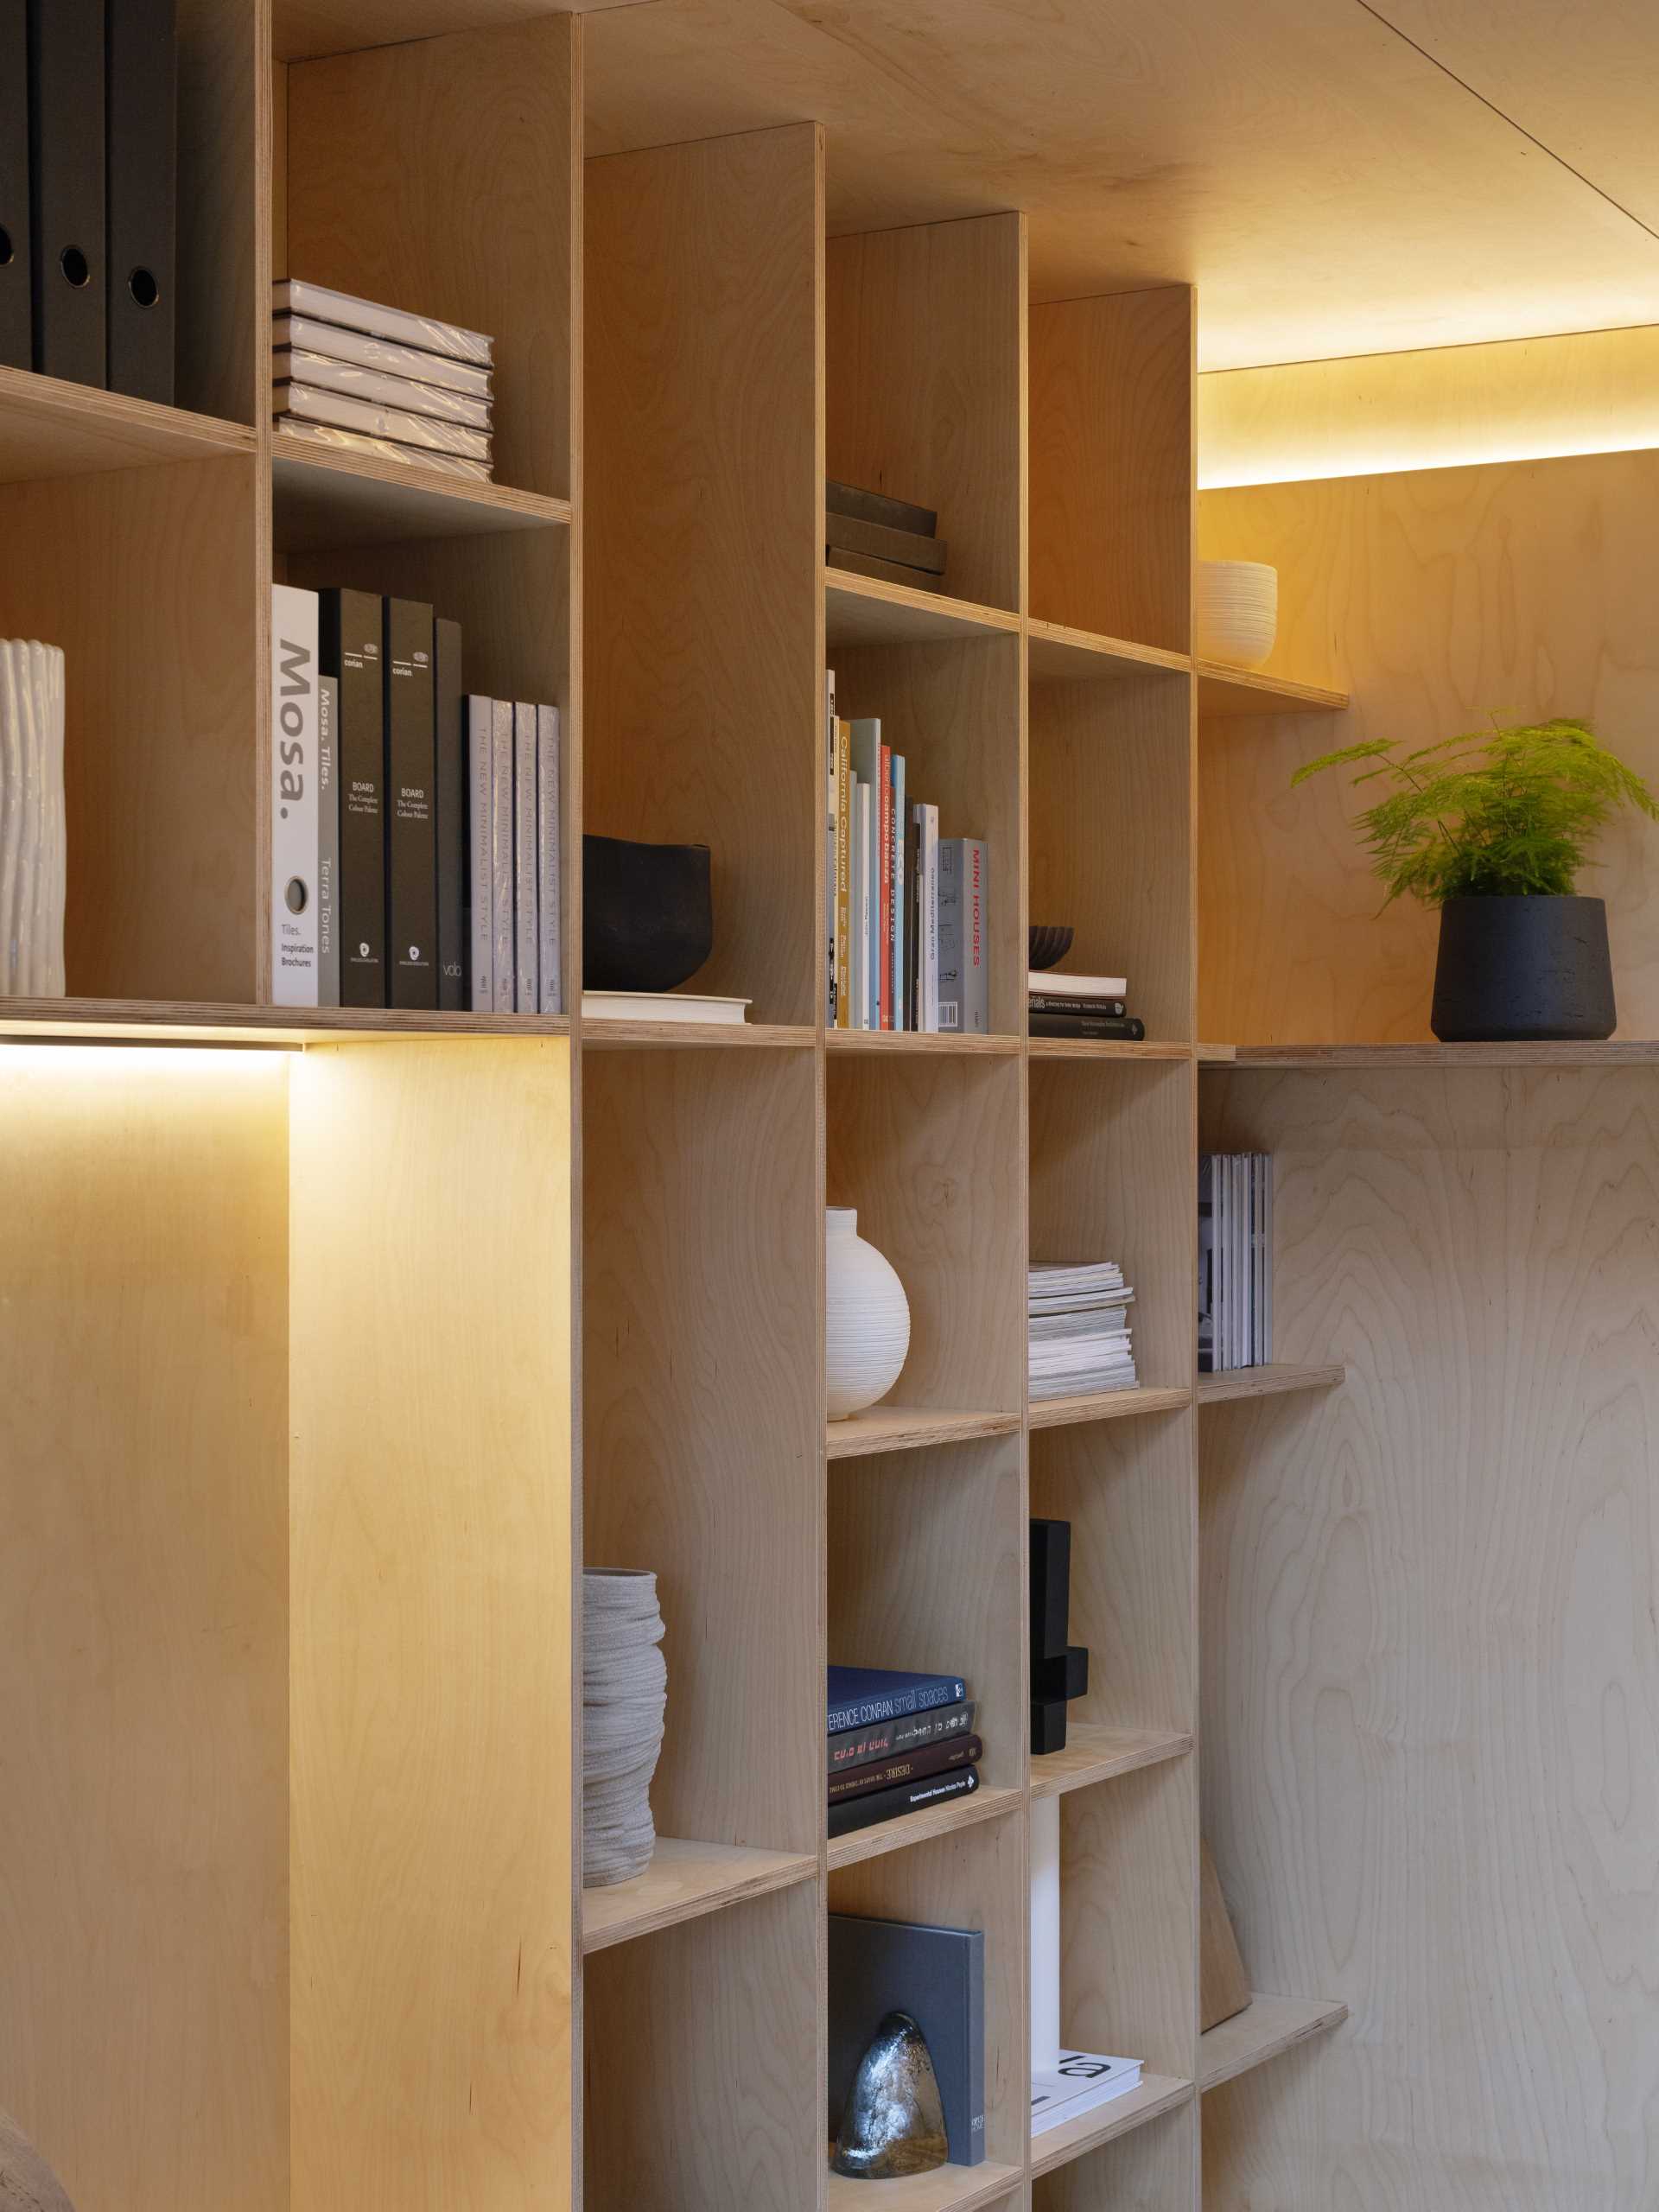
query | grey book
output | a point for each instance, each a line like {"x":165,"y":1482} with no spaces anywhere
{"x":876,"y":506}
{"x":937,"y":1976}
{"x":846,"y":534}
{"x":891,"y":572}
{"x":964,"y":974}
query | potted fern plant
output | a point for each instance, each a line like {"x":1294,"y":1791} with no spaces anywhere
{"x":1493,"y":829}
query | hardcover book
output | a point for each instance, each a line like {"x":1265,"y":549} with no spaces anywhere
{"x":858,"y":1696}
{"x":291,"y":296}
{"x":908,"y":1766}
{"x":503,"y":941}
{"x":325,"y":434}
{"x":449,"y":812}
{"x":891,"y":572}
{"x":302,"y":334}
{"x":293,"y":365}
{"x":294,"y":772}
{"x":866,"y":738}
{"x":1126,"y":1029}
{"x":374,"y":420}
{"x":1081,"y":2080}
{"x":327,"y":841}
{"x":412,"y":824}
{"x":937,"y":1976}
{"x":965,"y":981}
{"x":856,"y":1747}
{"x":877,"y":507}
{"x":549,"y":957}
{"x":480,"y":865}
{"x":905,"y":548}
{"x":350,"y":652}
{"x":909,"y":1797}
{"x":526,"y":867}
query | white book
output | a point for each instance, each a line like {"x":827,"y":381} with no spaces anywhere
{"x":929,"y":852}
{"x":338,"y":441}
{"x":526,"y":928}
{"x":902,"y":1017}
{"x":661,"y":1006}
{"x":303,"y":334}
{"x":1267,"y":1256}
{"x":293,"y":769}
{"x":502,"y":942}
{"x":327,"y":841}
{"x":291,"y":365}
{"x":1239,"y":1230}
{"x":866,"y":767}
{"x":480,"y":865}
{"x":374,"y":421}
{"x":1082,"y":2081}
{"x":292,"y":295}
{"x":1218,"y":1250}
{"x":862,"y":901}
{"x":832,"y":829}
{"x":549,"y":863}
{"x":1256,"y":1316}
{"x":1049,"y":982}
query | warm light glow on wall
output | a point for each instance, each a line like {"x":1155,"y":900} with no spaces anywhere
{"x":1529,"y":399}
{"x":70,"y":1060}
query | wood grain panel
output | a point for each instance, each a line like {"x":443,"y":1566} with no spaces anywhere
{"x":926,"y":396}
{"x":704,"y":2085}
{"x":430,"y":1566}
{"x":1111,"y":466}
{"x":147,"y":580}
{"x":704,"y":459}
{"x":1154,"y":2169}
{"x":143,"y":1582}
{"x":704,"y":1417}
{"x":1128,"y":1917}
{"x":305,"y":28}
{"x":435,"y":175}
{"x":1447,"y":597}
{"x":1431,"y":1676}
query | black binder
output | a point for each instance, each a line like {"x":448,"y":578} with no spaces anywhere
{"x":66,"y":167}
{"x":450,"y":789}
{"x":16,"y":314}
{"x":142,"y":265}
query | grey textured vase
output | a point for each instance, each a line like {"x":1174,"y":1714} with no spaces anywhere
{"x":26,"y":2182}
{"x":623,"y":1695}
{"x":33,"y":838}
{"x":1514,"y":970}
{"x":895,"y":2120}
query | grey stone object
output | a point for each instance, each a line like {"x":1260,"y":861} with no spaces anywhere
{"x":26,"y":2182}
{"x":894,"y":2124}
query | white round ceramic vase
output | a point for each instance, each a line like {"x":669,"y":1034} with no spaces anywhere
{"x":1237,"y":612}
{"x":867,"y":1319}
{"x":33,"y":839}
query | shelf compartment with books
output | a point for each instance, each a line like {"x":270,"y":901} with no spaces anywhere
{"x":953,"y":712}
{"x":1224,"y":692}
{"x":1095,"y":1753}
{"x":925,"y":368}
{"x":1268,"y":2027}
{"x":439,"y":175}
{"x":50,"y":430}
{"x":701,"y":2065}
{"x":323,"y":498}
{"x":888,"y":1427}
{"x":145,"y":578}
{"x":1273,"y":1380}
{"x":703,"y":1417}
{"x":1059,"y":655}
{"x":974,"y":1878}
{"x":1105,"y":1405}
{"x":1143,"y":2158}
{"x":683,"y":1881}
{"x":1059,"y":2147}
{"x":948,"y":2188}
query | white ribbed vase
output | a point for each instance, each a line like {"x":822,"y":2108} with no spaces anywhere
{"x":623,"y":1695}
{"x":33,"y":843}
{"x":867,"y":1319}
{"x":1236,"y":616}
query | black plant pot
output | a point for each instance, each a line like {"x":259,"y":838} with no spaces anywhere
{"x":648,"y":916}
{"x":1515,"y":969}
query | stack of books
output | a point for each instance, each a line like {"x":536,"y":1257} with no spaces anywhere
{"x":906,"y":911}
{"x":1076,"y":2083}
{"x":897,"y":1743}
{"x":415,"y":831}
{"x":1079,"y":1330}
{"x":1082,"y":1006}
{"x":365,"y":378}
{"x":1235,"y":1261}
{"x":869,"y":535}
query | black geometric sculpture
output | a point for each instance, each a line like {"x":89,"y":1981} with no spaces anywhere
{"x":648,"y":919}
{"x":1059,"y":1670}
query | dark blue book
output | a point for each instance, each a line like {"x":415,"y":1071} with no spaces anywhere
{"x":937,"y":1976}
{"x":859,"y":1696}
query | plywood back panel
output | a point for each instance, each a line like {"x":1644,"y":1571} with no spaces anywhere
{"x":1431,"y":1672}
{"x":143,"y":1586}
{"x":431,"y":1664}
{"x":927,"y":385}
{"x":1442,"y":599}
{"x":1128,"y":1917}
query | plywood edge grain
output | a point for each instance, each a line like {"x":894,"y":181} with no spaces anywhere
{"x":326,"y":496}
{"x":1609,"y":1053}
{"x":1223,"y":690}
{"x":1094,"y":1753}
{"x":1105,"y":1405}
{"x":1266,"y":2027}
{"x":1267,"y":1382}
{"x":921,"y":1827}
{"x":1061,"y":655}
{"x":1155,"y":2093}
{"x":869,"y":611}
{"x":947,"y":2188}
{"x":910,"y":1428}
{"x":922,"y":1043}
{"x":50,"y":429}
{"x":188,"y":1021}
{"x":683,"y":1881}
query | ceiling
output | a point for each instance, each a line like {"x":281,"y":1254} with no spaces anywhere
{"x":1336,"y":178}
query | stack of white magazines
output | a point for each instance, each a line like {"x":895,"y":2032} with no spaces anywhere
{"x":1079,"y":1330}
{"x":1079,"y":2081}
{"x":1235,"y":1261}
{"x":349,"y":373}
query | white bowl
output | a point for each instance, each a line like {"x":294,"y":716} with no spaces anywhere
{"x":1237,"y":612}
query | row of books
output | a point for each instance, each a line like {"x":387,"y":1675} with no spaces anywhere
{"x":1235,"y":1261}
{"x":868,"y":534}
{"x":1079,"y":1324}
{"x":89,"y":191}
{"x":898,"y":1741}
{"x":1080,"y":1006}
{"x":350,"y":373}
{"x":906,"y":911}
{"x":414,"y":831}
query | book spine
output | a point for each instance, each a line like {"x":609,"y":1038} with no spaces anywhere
{"x":900,"y":1005}
{"x":952,"y":920}
{"x":913,"y":917}
{"x":910,"y":1797}
{"x":975,"y":946}
{"x":526,"y":933}
{"x":859,"y":1746}
{"x":503,"y":941}
{"x":17,"y":308}
{"x":895,"y":1705}
{"x":832,"y":841}
{"x":1057,"y":1002}
{"x":974,"y":2067}
{"x":550,"y":864}
{"x":1267,"y":1256}
{"x":1102,"y":1028}
{"x":861,"y":921}
{"x":350,"y":628}
{"x":884,"y":881}
{"x":68,"y":171}
{"x":411,"y":840}
{"x":293,"y":769}
{"x":912,"y":1766}
{"x":843,"y":875}
{"x":141,"y":46}
{"x":450,"y":789}
{"x":1206,"y":1266}
{"x":480,"y":866}
{"x":327,"y":840}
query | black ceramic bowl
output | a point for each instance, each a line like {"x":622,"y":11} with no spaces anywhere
{"x":1050,"y":942}
{"x":648,"y":917}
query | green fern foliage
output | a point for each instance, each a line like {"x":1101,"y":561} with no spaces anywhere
{"x":1499,"y":814}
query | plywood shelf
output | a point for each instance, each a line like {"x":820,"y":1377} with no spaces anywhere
{"x":683,"y":1881}
{"x":185,"y":1022}
{"x":1267,"y":1382}
{"x":1232,"y":691}
{"x":921,"y":1043}
{"x":1106,"y":1048}
{"x":912,"y":1828}
{"x":947,"y":2188}
{"x":323,"y":497}
{"x":1266,"y":2027}
{"x":604,"y":1036}
{"x":910,"y":1428}
{"x":50,"y":430}
{"x":1094,"y":1753}
{"x":1106,"y":1404}
{"x":1609,"y":1053}
{"x":1155,"y":2094}
{"x":869,"y":611}
{"x":1059,"y":655}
